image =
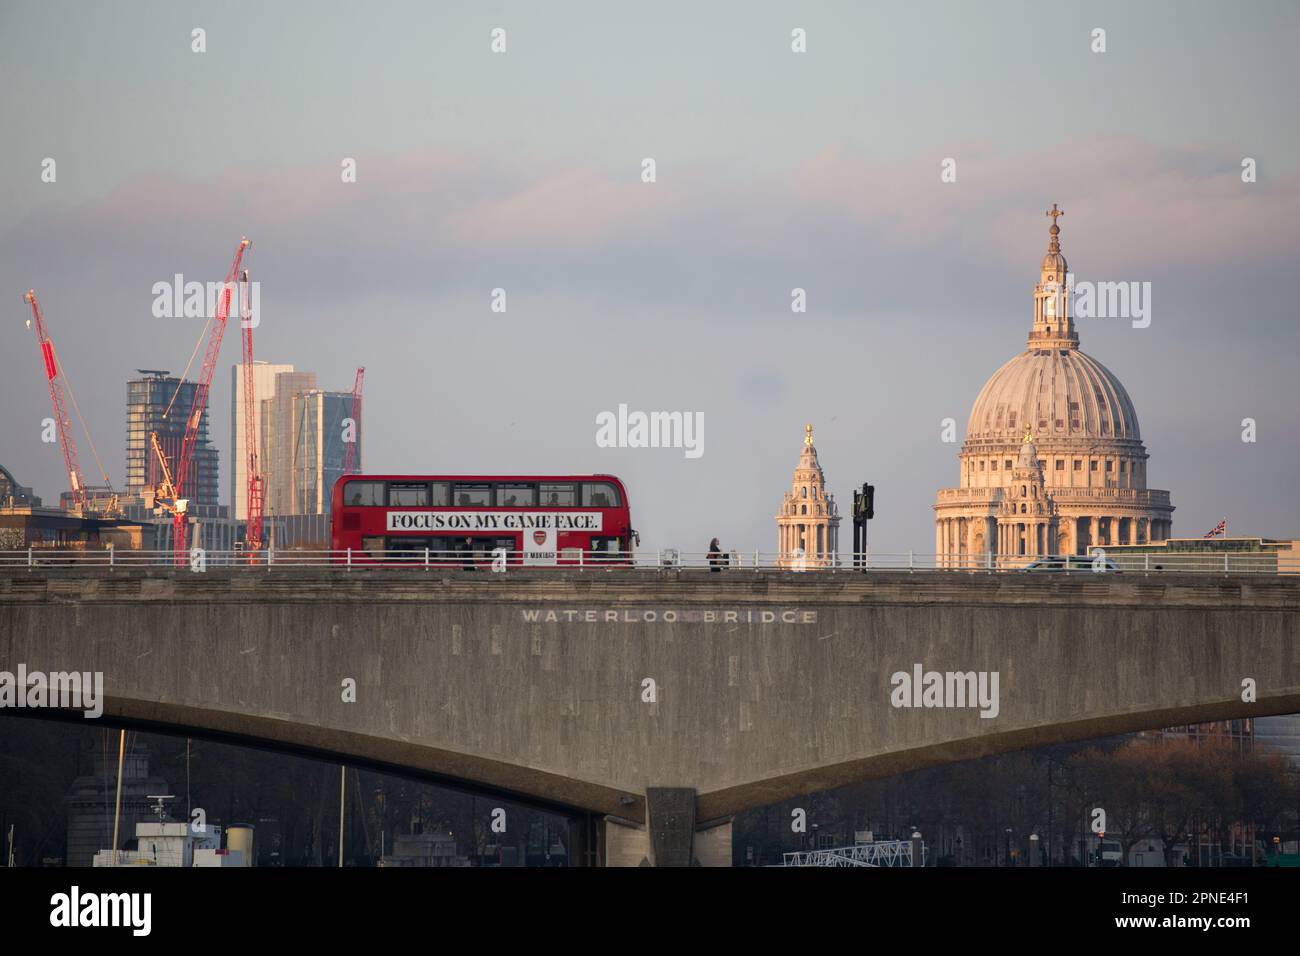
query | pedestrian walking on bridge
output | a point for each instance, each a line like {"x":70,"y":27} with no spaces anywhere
{"x":716,"y":559}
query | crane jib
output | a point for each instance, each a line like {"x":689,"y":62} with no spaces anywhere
{"x":47,"y":352}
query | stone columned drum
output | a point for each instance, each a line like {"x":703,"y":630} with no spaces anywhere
{"x":1053,"y":461}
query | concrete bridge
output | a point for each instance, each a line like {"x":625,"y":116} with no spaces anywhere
{"x":659,"y":704}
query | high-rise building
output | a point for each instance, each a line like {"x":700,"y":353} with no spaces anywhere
{"x":264,"y":376}
{"x":807,"y":528}
{"x":319,"y":452}
{"x":303,"y":451}
{"x":278,"y":435}
{"x":161,"y":402}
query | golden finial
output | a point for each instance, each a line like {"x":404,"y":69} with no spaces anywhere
{"x":1029,"y":434}
{"x":1054,"y":242}
{"x":807,"y":438}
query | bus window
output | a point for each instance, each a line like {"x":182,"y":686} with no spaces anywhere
{"x":558,"y":496}
{"x":516,"y":496}
{"x":472,"y":496}
{"x":445,"y":550}
{"x":470,"y":549}
{"x":408,"y":549}
{"x":408,"y":495}
{"x":363,"y":493}
{"x":599,"y":494}
{"x":441,"y":494}
{"x":604,"y":545}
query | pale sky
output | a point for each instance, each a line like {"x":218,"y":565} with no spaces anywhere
{"x":775,"y":170}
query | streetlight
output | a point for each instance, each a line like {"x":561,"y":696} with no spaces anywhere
{"x":1008,"y":846}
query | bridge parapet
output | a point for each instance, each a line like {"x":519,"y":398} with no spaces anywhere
{"x":591,"y":689}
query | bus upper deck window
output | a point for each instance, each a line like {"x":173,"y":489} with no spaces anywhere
{"x":516,"y":496}
{"x":441,"y":494}
{"x":599,"y":494}
{"x":358,"y":493}
{"x":555,"y":495}
{"x":408,"y":495}
{"x":472,"y":496}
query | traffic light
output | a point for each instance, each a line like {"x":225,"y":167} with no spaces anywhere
{"x":864,"y":508}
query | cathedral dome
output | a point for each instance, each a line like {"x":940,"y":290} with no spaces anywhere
{"x":1059,"y":393}
{"x":1051,"y":388}
{"x":1053,"y":461}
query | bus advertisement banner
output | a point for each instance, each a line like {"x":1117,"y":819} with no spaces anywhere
{"x":509,"y":521}
{"x":539,"y":546}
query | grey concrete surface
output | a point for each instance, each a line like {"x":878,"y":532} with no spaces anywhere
{"x":765,"y":685}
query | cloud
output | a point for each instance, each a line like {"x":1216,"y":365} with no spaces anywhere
{"x":432,"y":218}
{"x":676,"y":295}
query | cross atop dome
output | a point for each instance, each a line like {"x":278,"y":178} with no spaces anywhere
{"x":1054,"y":245}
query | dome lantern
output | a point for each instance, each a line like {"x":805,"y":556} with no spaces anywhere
{"x":1053,"y":326}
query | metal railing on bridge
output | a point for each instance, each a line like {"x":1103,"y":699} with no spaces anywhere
{"x":886,"y":853}
{"x":663,"y":560}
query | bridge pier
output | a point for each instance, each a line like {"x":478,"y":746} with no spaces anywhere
{"x":584,"y":840}
{"x":670,"y":836}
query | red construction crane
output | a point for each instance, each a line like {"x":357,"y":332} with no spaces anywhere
{"x":75,"y":481}
{"x":181,"y":470}
{"x":253,"y":536}
{"x":356,"y":421}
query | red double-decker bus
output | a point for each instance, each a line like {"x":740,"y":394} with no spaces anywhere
{"x":460,"y":520}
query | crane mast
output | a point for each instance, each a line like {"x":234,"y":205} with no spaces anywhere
{"x":166,"y":491}
{"x":356,"y":422}
{"x":181,"y":473}
{"x":63,"y":423}
{"x":253,"y":537}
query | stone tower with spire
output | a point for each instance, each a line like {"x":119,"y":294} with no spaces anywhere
{"x":807,"y":527}
{"x":1027,"y":525}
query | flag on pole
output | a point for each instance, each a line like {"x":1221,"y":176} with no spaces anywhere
{"x":1218,"y":529}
